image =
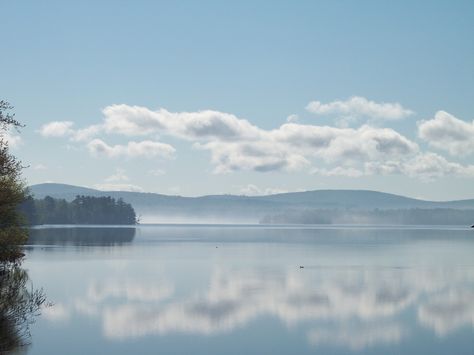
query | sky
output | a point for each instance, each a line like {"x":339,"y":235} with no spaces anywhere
{"x":243,"y":97}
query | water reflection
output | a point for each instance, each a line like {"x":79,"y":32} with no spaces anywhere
{"x":353,"y":308}
{"x":448,"y":311}
{"x":81,"y":236}
{"x":19,"y":305}
{"x":172,"y":287}
{"x":358,"y":336}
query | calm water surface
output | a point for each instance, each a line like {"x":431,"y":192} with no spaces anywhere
{"x":240,"y":290}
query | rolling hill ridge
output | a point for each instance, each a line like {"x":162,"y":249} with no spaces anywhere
{"x":155,"y":207}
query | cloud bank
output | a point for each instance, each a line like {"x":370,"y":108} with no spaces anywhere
{"x":235,"y":144}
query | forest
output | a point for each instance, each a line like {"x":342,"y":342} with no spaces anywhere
{"x":82,"y":210}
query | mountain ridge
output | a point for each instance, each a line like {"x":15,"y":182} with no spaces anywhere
{"x":35,"y":188}
{"x":241,"y":208}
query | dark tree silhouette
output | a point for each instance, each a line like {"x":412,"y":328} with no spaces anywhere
{"x":82,"y":210}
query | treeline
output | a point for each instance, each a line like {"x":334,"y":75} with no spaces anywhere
{"x":414,"y":216}
{"x":82,"y":210}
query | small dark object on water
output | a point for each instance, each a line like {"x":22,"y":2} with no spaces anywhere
{"x":472,"y":226}
{"x":301,"y":267}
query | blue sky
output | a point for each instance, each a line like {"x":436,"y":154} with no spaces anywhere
{"x":194,"y":97}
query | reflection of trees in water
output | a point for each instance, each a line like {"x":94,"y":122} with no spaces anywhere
{"x":81,"y":236}
{"x":19,"y":305}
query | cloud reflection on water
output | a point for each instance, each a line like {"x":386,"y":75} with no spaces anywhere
{"x":130,"y":290}
{"x":355,"y":308}
{"x":235,"y":299}
{"x":358,"y":337}
{"x":448,"y":311}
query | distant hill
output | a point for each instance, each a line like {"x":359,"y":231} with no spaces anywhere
{"x":60,"y":190}
{"x":246,"y":209}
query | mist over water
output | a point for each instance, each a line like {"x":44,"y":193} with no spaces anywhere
{"x":159,"y":218}
{"x":241,"y":289}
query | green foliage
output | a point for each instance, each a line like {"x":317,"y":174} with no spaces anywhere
{"x":82,"y":210}
{"x":12,"y":192}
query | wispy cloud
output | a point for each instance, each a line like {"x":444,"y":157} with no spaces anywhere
{"x":359,"y":107}
{"x":66,"y":129}
{"x":148,"y":149}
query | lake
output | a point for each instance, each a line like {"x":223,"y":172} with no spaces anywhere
{"x":190,"y":289}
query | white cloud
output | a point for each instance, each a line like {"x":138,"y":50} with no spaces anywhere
{"x":237,"y":145}
{"x":448,"y":133}
{"x":87,"y":133}
{"x":360,"y":107}
{"x":261,"y":156}
{"x":430,"y":166}
{"x":118,"y":187}
{"x":424,"y":166}
{"x":208,"y":124}
{"x":148,"y":149}
{"x":57,"y":129}
{"x":65,"y":129}
{"x":345,"y":144}
{"x":291,"y":146}
{"x":119,"y":175}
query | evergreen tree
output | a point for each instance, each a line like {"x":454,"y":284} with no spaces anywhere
{"x":82,"y":210}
